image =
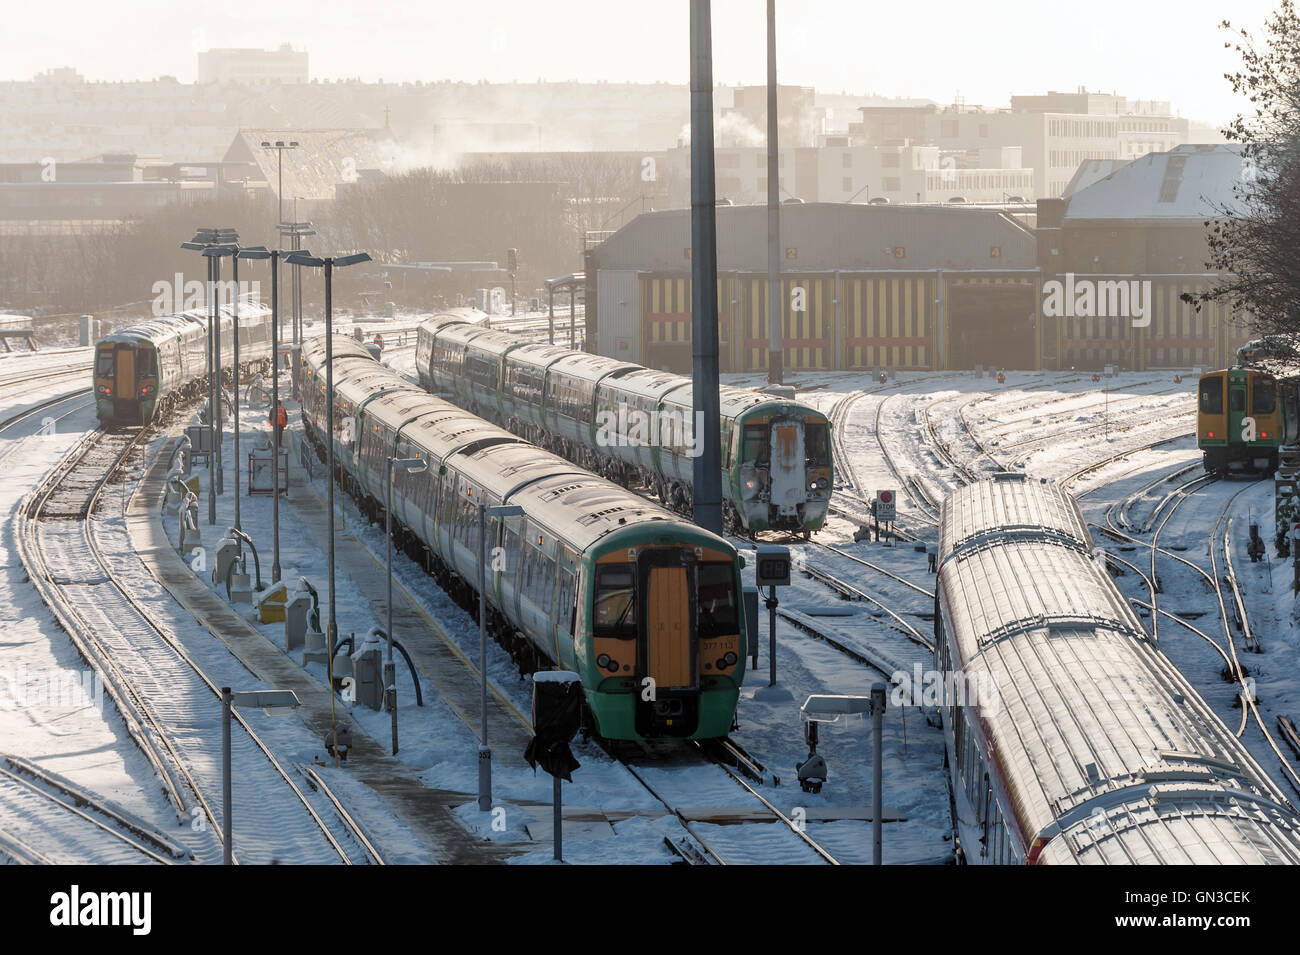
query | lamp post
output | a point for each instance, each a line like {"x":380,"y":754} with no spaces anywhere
{"x":328,"y":264}
{"x":295,"y":231}
{"x":235,"y":253}
{"x":274,"y":256}
{"x":484,"y":750}
{"x":271,"y":702}
{"x":279,"y":146}
{"x":828,"y":709}
{"x":414,"y":465}
{"x":203,"y":240}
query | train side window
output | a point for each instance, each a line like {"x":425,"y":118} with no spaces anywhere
{"x":1263,"y":395}
{"x":566,"y":613}
{"x":1212,"y":396}
{"x":716,"y":603}
{"x":615,"y":602}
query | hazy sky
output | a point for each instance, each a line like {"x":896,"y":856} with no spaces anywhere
{"x":1152,"y":49}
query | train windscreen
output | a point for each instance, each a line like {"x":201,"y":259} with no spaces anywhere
{"x":816,"y":449}
{"x":615,"y":614}
{"x":717,"y":600}
{"x":1212,"y":395}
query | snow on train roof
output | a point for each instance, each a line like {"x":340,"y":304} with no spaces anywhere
{"x":1184,"y":824}
{"x":1008,"y":506}
{"x":1084,"y":711}
{"x":583,"y":508}
{"x":504,"y":468}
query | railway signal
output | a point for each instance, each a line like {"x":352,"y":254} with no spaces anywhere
{"x":772,"y":570}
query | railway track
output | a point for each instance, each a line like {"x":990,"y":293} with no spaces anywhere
{"x":167,"y":700}
{"x":1221,"y":579}
{"x":44,"y":821}
{"x":798,"y":847}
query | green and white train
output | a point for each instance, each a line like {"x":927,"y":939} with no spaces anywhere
{"x":635,"y":425}
{"x":643,"y":605}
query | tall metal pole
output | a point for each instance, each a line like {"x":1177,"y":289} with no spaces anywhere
{"x":775,"y":300}
{"x":704,"y":277}
{"x":484,"y":751}
{"x":212,"y":393}
{"x":275,"y":416}
{"x":238,"y":526}
{"x":333,"y":630}
{"x":216,"y":358}
{"x":877,"y":769}
{"x":227,"y":836}
{"x":390,"y":675}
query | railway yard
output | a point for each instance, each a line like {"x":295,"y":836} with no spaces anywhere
{"x":117,"y":643}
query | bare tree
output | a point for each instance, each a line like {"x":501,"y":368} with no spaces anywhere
{"x":1253,"y":242}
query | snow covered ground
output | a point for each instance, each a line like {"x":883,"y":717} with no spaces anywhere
{"x":1050,"y":425}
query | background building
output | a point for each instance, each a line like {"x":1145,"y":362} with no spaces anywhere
{"x":249,"y":66}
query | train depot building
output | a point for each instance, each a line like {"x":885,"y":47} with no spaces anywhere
{"x":1091,"y":279}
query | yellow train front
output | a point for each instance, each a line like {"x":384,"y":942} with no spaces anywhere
{"x":1244,"y":418}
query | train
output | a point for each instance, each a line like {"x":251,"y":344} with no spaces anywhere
{"x":145,"y":369}
{"x":1248,"y":416}
{"x":1071,"y":739}
{"x":644,"y":606}
{"x":636,"y":426}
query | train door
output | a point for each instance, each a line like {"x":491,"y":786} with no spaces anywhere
{"x":787,"y":472}
{"x":668,"y":705}
{"x":124,"y":379}
{"x":1241,"y":426}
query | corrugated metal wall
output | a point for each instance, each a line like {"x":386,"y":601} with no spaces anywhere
{"x":888,"y":320}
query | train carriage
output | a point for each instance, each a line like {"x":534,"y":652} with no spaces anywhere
{"x":1071,"y":738}
{"x":148,"y":367}
{"x":1248,"y":417}
{"x":614,"y":417}
{"x":594,"y":578}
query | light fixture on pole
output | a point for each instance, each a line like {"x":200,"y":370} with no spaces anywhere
{"x":279,"y":146}
{"x":415,"y":465}
{"x":274,"y":256}
{"x":295,"y":231}
{"x":498,"y":512}
{"x":271,"y":702}
{"x":328,"y":264}
{"x":234,"y":251}
{"x":203,"y":240}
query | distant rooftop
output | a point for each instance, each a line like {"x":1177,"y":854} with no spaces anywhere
{"x":1195,"y":181}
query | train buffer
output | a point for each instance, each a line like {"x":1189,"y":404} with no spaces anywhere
{"x":17,"y":328}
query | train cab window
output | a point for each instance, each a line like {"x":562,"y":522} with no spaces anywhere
{"x":757,"y":447}
{"x":104,"y":368}
{"x":1237,"y":399}
{"x":1212,"y":396}
{"x":1263,"y":395}
{"x":146,"y":364}
{"x":615,"y":607}
{"x":717,"y":600}
{"x":815,"y":446}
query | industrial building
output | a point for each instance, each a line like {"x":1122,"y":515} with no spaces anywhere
{"x":863,"y":286}
{"x":1091,"y":280}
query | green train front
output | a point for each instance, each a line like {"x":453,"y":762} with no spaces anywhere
{"x":660,"y":652}
{"x":126,"y":380}
{"x":1244,"y":418}
{"x":777,"y":466}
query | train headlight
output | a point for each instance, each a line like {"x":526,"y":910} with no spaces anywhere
{"x":606,"y":662}
{"x":728,"y":660}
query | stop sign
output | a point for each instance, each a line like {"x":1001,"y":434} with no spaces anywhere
{"x":885,"y":505}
